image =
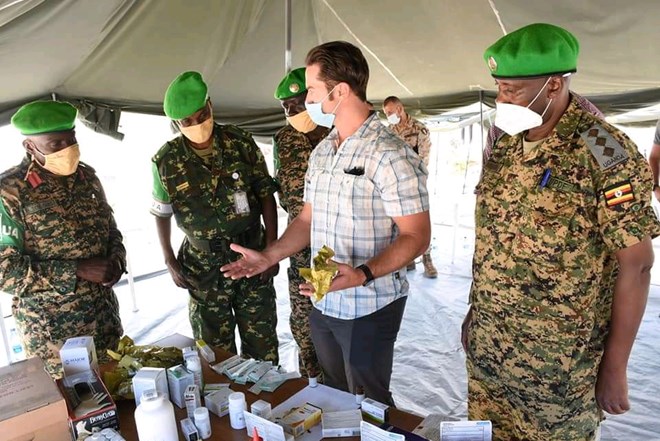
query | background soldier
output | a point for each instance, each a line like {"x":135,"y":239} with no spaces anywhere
{"x":61,"y":251}
{"x":416,"y":135}
{"x":562,"y":253}
{"x":292,"y":146}
{"x":215,"y":182}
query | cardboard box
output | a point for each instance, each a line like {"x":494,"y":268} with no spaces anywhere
{"x":300,"y":419}
{"x":78,"y":355}
{"x":89,"y":404}
{"x":374,"y":410}
{"x":178,"y":379}
{"x":31,"y":406}
{"x":150,"y":378}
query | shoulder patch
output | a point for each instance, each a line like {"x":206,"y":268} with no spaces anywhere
{"x":607,"y":150}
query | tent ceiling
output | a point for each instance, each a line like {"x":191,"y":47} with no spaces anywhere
{"x":124,"y":53}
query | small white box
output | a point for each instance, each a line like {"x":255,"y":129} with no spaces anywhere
{"x":189,"y":430}
{"x":217,"y":401}
{"x":262,"y":409}
{"x":178,"y":379}
{"x":375,"y":410}
{"x":192,"y":399}
{"x":78,"y":354}
{"x":341,"y":423}
{"x":150,"y":378}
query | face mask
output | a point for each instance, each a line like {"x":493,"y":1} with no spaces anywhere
{"x":316,"y":112}
{"x":514,"y":119}
{"x":64,"y":162}
{"x":302,"y":122}
{"x":393,"y":119}
{"x":199,"y":133}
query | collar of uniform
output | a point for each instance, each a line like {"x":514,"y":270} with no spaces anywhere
{"x":569,"y":121}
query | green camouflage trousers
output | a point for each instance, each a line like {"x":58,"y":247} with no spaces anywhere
{"x":218,"y":304}
{"x":46,"y":320}
{"x":301,"y":307}
{"x":520,"y":416}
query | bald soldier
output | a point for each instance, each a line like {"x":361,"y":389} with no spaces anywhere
{"x":292,"y":146}
{"x":417,"y":136}
{"x":213,"y":179}
{"x":563,"y":252}
{"x":60,"y":249}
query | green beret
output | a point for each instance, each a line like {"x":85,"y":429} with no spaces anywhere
{"x":185,"y":95}
{"x":44,"y":117}
{"x":291,"y":85}
{"x":535,"y":50}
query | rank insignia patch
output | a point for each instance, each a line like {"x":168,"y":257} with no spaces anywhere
{"x":618,"y":194}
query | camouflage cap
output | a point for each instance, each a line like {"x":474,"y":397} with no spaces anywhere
{"x":185,"y":95}
{"x":291,"y":85}
{"x":535,"y":50}
{"x":44,"y":117}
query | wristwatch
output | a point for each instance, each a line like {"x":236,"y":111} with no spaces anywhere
{"x":367,"y":272}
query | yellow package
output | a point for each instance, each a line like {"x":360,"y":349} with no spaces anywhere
{"x":321,"y":273}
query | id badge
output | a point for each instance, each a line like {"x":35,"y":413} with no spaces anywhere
{"x":241,"y":204}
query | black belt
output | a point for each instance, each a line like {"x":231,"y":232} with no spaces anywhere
{"x":221,"y":244}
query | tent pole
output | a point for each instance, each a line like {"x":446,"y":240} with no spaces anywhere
{"x":287,"y":36}
{"x":481,"y":117}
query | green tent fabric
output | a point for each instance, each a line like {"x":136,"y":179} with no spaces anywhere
{"x":120,"y":55}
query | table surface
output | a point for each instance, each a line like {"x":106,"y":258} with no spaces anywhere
{"x":220,"y":425}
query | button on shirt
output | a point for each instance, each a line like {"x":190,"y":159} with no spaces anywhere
{"x":356,"y":189}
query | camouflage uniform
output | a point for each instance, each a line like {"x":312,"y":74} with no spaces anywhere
{"x":291,"y":150}
{"x":544,"y":271}
{"x":49,"y":222}
{"x":203,"y":202}
{"x":416,"y":135}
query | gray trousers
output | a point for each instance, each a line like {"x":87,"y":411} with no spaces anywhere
{"x":358,"y":353}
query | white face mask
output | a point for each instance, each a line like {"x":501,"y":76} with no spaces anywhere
{"x":393,"y":119}
{"x":514,"y":119}
{"x":317,"y":115}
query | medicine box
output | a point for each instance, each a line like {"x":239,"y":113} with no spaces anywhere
{"x":89,"y":404}
{"x":178,"y":379}
{"x":150,"y":378}
{"x":78,"y":354}
{"x":341,"y":423}
{"x":217,"y":401}
{"x":374,"y":410}
{"x":300,"y":419}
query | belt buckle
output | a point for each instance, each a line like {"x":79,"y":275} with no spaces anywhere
{"x":216,"y":245}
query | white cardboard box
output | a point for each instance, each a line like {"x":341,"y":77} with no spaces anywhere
{"x":341,"y":423}
{"x":150,"y":378}
{"x":78,"y":355}
{"x":178,"y":379}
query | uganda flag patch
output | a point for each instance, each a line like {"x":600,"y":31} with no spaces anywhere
{"x":618,"y":194}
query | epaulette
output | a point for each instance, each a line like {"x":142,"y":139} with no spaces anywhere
{"x":236,"y":131}
{"x":607,"y":150}
{"x":14,"y":171}
{"x":162,"y":151}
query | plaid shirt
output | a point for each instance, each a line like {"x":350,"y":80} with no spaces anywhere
{"x":355,"y":190}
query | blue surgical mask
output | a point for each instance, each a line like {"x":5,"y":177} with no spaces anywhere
{"x":318,"y":116}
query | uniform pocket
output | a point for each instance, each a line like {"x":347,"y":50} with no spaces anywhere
{"x":44,"y":218}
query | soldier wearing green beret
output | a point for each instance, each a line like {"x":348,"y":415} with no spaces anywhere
{"x":563,"y":252}
{"x":213,"y":179}
{"x":292,"y":146}
{"x":60,"y":249}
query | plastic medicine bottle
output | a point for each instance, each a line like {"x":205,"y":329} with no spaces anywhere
{"x":202,"y":422}
{"x":194,"y":365}
{"x":237,"y":405}
{"x":154,"y":418}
